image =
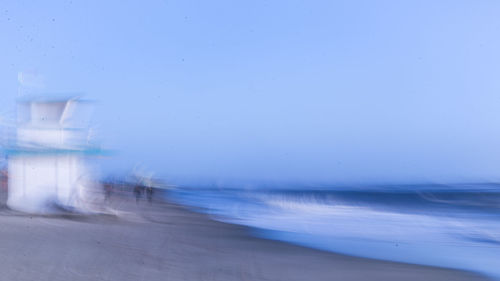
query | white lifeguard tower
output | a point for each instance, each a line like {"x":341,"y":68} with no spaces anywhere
{"x":46,"y":164}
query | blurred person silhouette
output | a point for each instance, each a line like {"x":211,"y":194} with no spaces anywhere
{"x":149,"y":192}
{"x":137,"y":192}
{"x":108,"y":189}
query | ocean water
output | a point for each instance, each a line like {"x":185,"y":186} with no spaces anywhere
{"x":447,"y":226}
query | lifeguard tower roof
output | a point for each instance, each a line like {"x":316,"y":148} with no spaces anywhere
{"x":53,"y":125}
{"x":55,"y":112}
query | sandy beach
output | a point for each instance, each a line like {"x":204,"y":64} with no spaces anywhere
{"x":165,"y":241}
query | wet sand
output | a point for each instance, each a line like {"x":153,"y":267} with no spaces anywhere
{"x":164,"y":241}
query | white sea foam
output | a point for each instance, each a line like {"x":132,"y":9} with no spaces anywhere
{"x":446,"y":240}
{"x":471,"y":244}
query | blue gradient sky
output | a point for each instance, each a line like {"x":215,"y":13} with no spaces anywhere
{"x":309,"y":91}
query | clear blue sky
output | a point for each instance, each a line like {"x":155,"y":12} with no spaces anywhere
{"x":313,"y":91}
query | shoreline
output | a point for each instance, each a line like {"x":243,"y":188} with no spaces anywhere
{"x":167,"y":241}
